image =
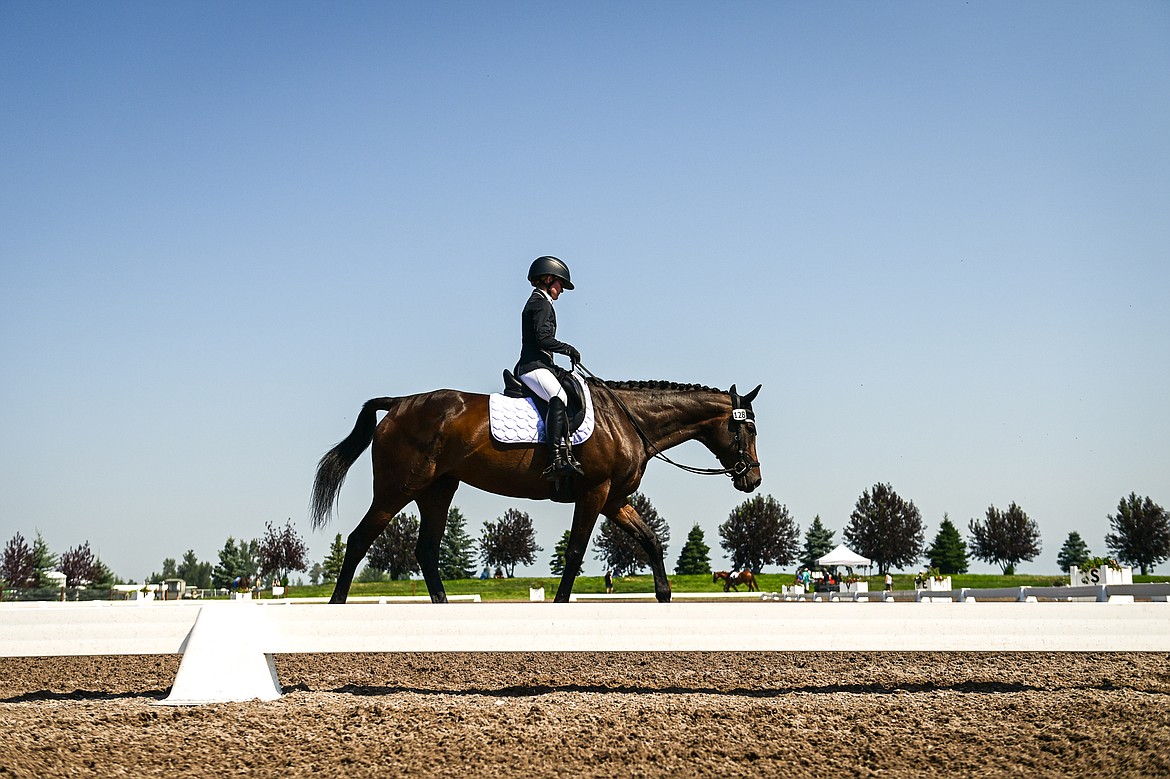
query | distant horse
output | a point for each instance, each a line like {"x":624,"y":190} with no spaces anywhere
{"x":731,"y":581}
{"x":428,"y":444}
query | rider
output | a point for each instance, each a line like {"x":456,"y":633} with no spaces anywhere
{"x":538,"y":328}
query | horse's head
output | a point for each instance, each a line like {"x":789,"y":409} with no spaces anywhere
{"x":735,"y":444}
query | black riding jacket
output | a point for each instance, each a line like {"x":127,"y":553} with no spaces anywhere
{"x":538,"y":330}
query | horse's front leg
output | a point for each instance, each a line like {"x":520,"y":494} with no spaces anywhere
{"x":627,"y":519}
{"x":584,"y":518}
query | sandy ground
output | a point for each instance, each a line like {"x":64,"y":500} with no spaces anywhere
{"x":591,"y":715}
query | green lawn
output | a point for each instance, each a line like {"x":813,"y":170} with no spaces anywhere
{"x":517,"y":589}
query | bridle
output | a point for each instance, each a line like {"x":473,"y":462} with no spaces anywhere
{"x":742,"y":418}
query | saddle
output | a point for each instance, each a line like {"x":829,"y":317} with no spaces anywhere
{"x":575,"y":408}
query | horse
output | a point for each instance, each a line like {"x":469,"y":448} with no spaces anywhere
{"x":731,"y":581}
{"x":428,"y":444}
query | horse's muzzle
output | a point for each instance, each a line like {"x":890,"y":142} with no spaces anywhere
{"x":747,"y":481}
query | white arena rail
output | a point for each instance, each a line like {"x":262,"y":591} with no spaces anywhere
{"x":1103,"y":593}
{"x":228,"y":647}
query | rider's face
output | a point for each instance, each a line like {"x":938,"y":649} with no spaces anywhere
{"x":555,"y":288}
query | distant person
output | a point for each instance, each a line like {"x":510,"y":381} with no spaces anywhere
{"x":608,"y":581}
{"x":889,"y":582}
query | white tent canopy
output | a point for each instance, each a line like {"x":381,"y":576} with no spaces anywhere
{"x":843,"y":556}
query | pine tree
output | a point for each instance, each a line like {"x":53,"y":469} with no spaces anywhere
{"x":1074,"y":552}
{"x":695,"y":557}
{"x":331,"y":568}
{"x":457,"y":549}
{"x":818,"y":542}
{"x":948,"y":551}
{"x":557,"y":563}
{"x":103,"y":577}
{"x":193,"y":572}
{"x":43,"y":562}
{"x":236,"y":561}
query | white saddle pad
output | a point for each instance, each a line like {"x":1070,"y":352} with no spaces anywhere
{"x":516,"y":421}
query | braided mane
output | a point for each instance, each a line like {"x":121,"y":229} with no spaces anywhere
{"x":654,"y":385}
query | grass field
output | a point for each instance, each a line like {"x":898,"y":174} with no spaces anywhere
{"x":517,"y":589}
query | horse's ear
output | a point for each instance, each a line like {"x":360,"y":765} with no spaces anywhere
{"x":732,"y":391}
{"x":752,"y":395}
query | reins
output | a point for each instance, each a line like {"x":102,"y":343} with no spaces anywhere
{"x":743,"y":465}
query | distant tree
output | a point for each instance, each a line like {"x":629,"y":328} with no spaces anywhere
{"x":948,"y":551}
{"x":170,"y":570}
{"x":102,"y":576}
{"x":282,"y":551}
{"x":1141,"y":533}
{"x":43,"y":561}
{"x":1074,"y":552}
{"x":1005,"y":538}
{"x":236,"y":561}
{"x":508,"y":541}
{"x":78,"y":565}
{"x":370,"y":574}
{"x":315,"y":574}
{"x":557,"y":563}
{"x":620,"y":551}
{"x":885,"y":528}
{"x":331,"y":568}
{"x":759,"y":532}
{"x":393,"y":550}
{"x":818,"y":542}
{"x":457,"y":549}
{"x":193,"y":572}
{"x":17,"y":568}
{"x":695,"y":557}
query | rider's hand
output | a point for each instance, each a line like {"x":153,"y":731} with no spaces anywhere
{"x":574,"y":356}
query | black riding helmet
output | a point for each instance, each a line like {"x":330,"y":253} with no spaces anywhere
{"x":550,"y":266}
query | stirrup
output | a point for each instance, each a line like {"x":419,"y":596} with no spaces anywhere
{"x":563,"y":464}
{"x":569,"y":464}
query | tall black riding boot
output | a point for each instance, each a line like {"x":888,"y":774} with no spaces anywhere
{"x":560,"y":453}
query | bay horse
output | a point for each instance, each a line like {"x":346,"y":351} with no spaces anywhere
{"x":731,"y":581}
{"x":428,"y":444}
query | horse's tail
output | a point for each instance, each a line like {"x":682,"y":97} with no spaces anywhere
{"x":336,"y":463}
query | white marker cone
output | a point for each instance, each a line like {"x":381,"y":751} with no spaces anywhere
{"x":224,"y":658}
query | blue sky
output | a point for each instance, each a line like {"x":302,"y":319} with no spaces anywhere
{"x":936,"y":232}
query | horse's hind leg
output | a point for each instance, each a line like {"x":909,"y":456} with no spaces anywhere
{"x":361,"y":539}
{"x":433,"y":505}
{"x":627,"y":519}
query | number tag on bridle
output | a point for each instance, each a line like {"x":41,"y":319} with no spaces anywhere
{"x":739,"y":415}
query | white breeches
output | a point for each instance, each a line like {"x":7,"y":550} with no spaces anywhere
{"x":544,"y":383}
